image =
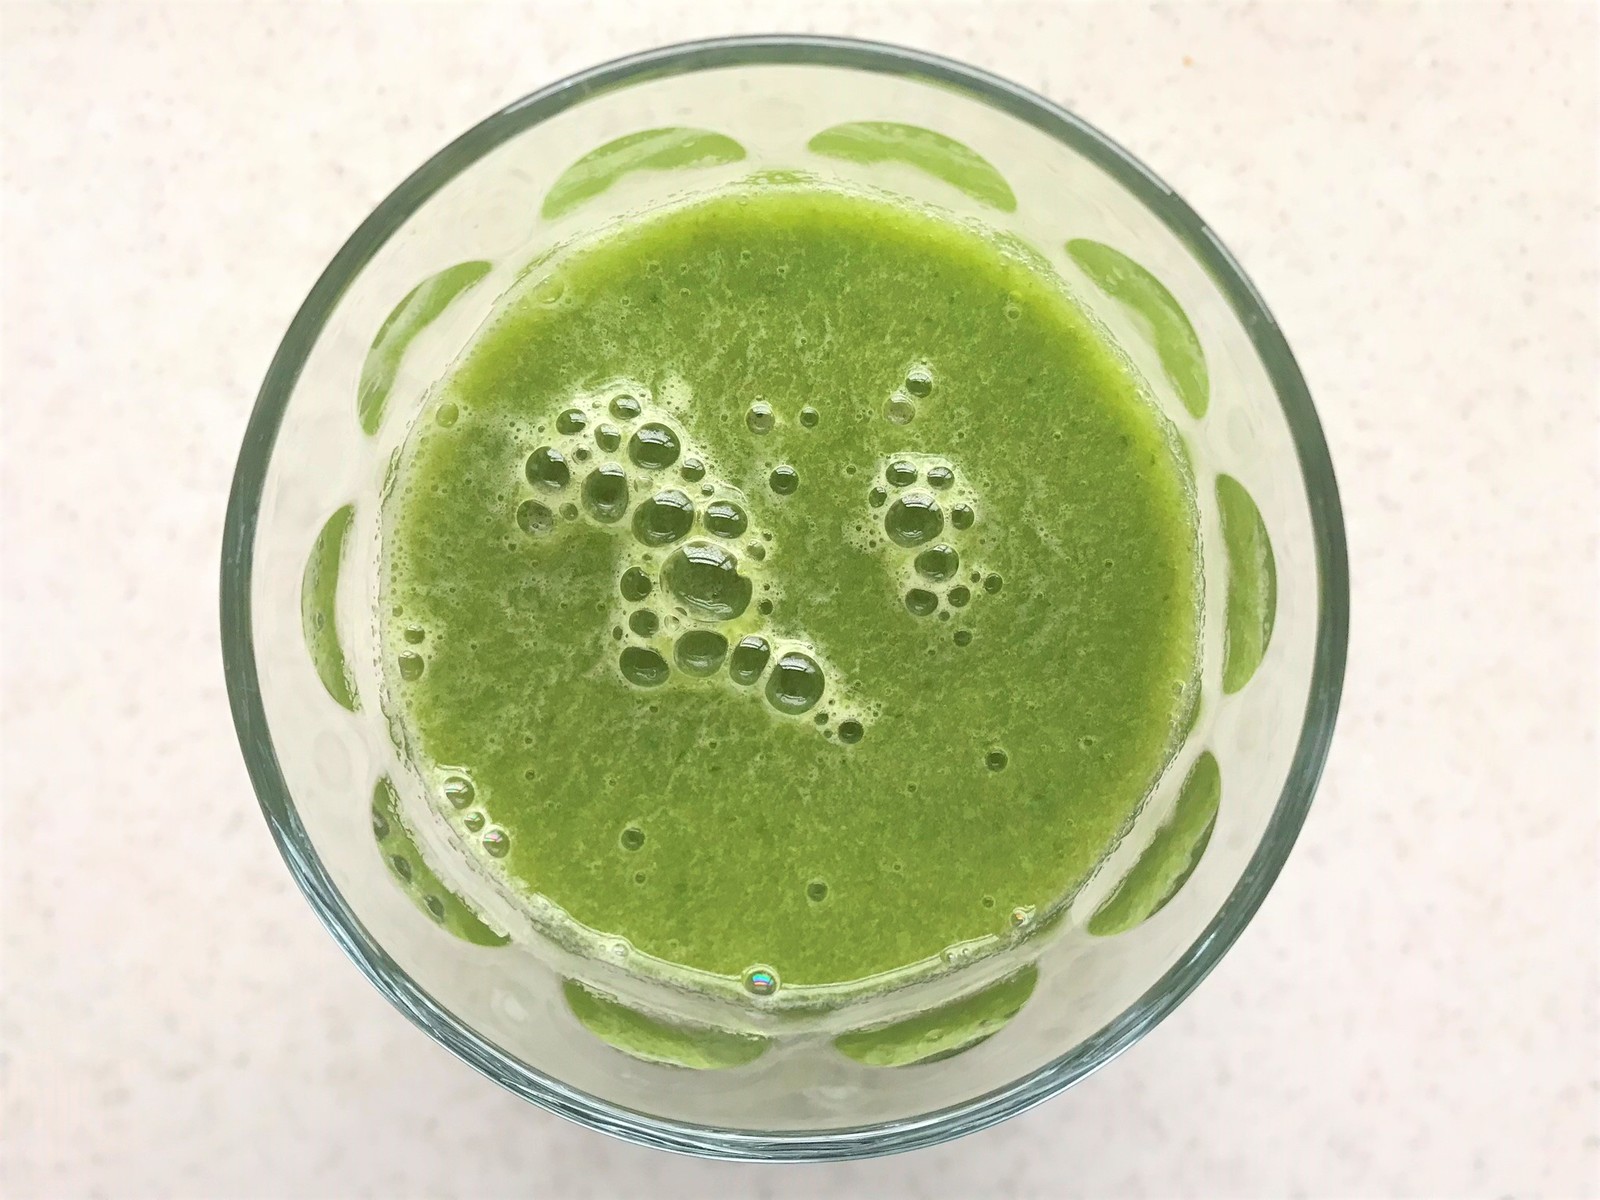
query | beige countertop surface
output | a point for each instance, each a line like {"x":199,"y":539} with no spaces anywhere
{"x":1414,"y":1010}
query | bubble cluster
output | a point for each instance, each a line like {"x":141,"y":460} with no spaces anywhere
{"x":921,"y":506}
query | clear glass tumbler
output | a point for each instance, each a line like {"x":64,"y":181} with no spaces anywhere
{"x":574,"y":1032}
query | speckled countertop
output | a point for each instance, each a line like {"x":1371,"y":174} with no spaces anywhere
{"x":1413,"y":1012}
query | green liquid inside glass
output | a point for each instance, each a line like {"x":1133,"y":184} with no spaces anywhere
{"x":920,"y":565}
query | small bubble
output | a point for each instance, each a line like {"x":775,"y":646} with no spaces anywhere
{"x":631,"y":838}
{"x":569,"y":512}
{"x":447,"y":414}
{"x":547,"y":467}
{"x":607,"y":436}
{"x":415,"y":633}
{"x":663,"y":518}
{"x":784,"y":480}
{"x":700,"y":652}
{"x":938,"y":563}
{"x":705,"y":578}
{"x":761,"y":981}
{"x":643,"y":667}
{"x":535,"y":518}
{"x":816,"y":891}
{"x":796,"y":683}
{"x":809,"y":417}
{"x":962,"y":516}
{"x":1013,"y":311}
{"x":899,"y":410}
{"x":1087,"y":741}
{"x":963,"y":637}
{"x":435,"y":907}
{"x":920,"y":602}
{"x":901,"y":474}
{"x":725,"y":519}
{"x":693,"y":470}
{"x":764,"y":607}
{"x":573,"y":420}
{"x":653,"y":446}
{"x":635,"y":585}
{"x":748,"y":660}
{"x":624,"y":408}
{"x":913,"y":519}
{"x":639,"y":877}
{"x":756,"y":551}
{"x":496,"y":843}
{"x":988,"y":901}
{"x":940,"y":478}
{"x":919,"y":381}
{"x":996,"y":760}
{"x":760,"y":419}
{"x":644,"y":622}
{"x":1021,"y":915}
{"x":581,"y":453}
{"x":605,"y":493}
{"x":992,"y":584}
{"x":474,"y":821}
{"x":959,"y":596}
{"x":877,"y":497}
{"x":850,"y":732}
{"x":399,"y":865}
{"x":459,"y":791}
{"x":411,"y":666}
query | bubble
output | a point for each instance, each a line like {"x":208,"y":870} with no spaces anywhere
{"x":625,"y":407}
{"x":851,"y":732}
{"x":573,"y":420}
{"x":399,"y":865}
{"x":547,"y":467}
{"x":962,"y":516}
{"x":796,"y":683}
{"x":535,"y":518}
{"x":705,"y":579}
{"x":635,"y":585}
{"x":569,"y":512}
{"x":411,"y":667}
{"x":992,"y":583}
{"x":938,"y":563}
{"x":1013,"y":311}
{"x":644,"y":622}
{"x":474,"y":821}
{"x":920,"y":602}
{"x":760,"y":419}
{"x":765,"y":608}
{"x":958,"y":596}
{"x":899,"y":410}
{"x":447,"y":415}
{"x":459,"y":791}
{"x":816,"y":891}
{"x":963,"y":637}
{"x":607,"y":436}
{"x":919,"y":381}
{"x":913,"y":519}
{"x":757,"y":551}
{"x":653,"y":446}
{"x":809,"y":417}
{"x":581,"y":453}
{"x":878,"y":497}
{"x":496,"y":842}
{"x":663,"y":518}
{"x":784,"y":480}
{"x":631,"y":838}
{"x":435,"y":907}
{"x":761,"y":981}
{"x":605,"y":493}
{"x":415,"y":633}
{"x":901,"y":474}
{"x":988,"y":901}
{"x":700,"y":652}
{"x":1021,"y":915}
{"x":996,"y":760}
{"x":725,"y":519}
{"x":643,"y":667}
{"x":748,"y":660}
{"x":693,"y":470}
{"x":940,"y":478}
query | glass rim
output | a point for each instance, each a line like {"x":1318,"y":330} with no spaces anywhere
{"x":1156,"y":1002}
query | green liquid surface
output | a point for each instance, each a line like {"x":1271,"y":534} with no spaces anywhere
{"x":802,"y":584}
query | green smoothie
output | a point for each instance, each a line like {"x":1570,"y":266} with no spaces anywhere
{"x":794,"y":587}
